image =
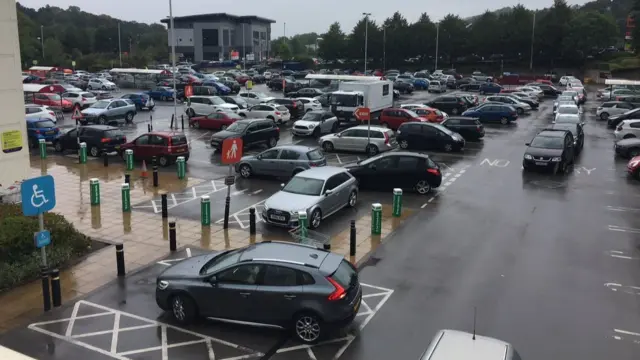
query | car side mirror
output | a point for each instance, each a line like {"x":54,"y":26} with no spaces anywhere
{"x":527,"y":144}
{"x":213,"y":280}
{"x":373,"y":167}
{"x":328,"y":192}
{"x":259,"y":157}
{"x":339,"y":134}
{"x":282,"y":185}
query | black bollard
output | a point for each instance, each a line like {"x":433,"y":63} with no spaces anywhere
{"x":171,"y":125}
{"x":326,"y":246}
{"x":120,"y":259}
{"x":127,"y":178}
{"x":172,"y":236}
{"x":227,"y":205}
{"x":155,"y":175}
{"x":105,"y":159}
{"x":182,"y":119}
{"x":148,"y":127}
{"x":46,"y":294}
{"x":56,"y":294}
{"x":165,"y":211}
{"x":252,"y":221}
{"x":352,"y":239}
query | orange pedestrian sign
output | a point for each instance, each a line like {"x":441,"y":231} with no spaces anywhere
{"x":76,"y":114}
{"x":188,"y":91}
{"x":231,"y":151}
{"x":363,"y":114}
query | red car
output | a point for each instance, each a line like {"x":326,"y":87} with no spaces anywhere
{"x":190,"y":79}
{"x":52,"y":100}
{"x":432,"y":115}
{"x":633,"y":167}
{"x":165,"y":146}
{"x":394,"y":117}
{"x":544,"y":81}
{"x":214,"y":121}
{"x":242,"y":79}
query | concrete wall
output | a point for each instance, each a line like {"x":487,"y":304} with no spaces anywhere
{"x":184,"y":37}
{"x":14,"y":166}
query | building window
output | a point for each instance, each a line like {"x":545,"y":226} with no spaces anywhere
{"x":214,"y":56}
{"x":233,"y":37}
{"x":225,"y":38}
{"x":256,"y":35}
{"x":210,"y":37}
{"x":263,"y":36}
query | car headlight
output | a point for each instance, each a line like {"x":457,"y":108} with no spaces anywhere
{"x":266,"y":208}
{"x":293,"y":214}
{"x":556,"y":159}
{"x":528,"y":157}
{"x":163,"y":284}
{"x":312,"y":126}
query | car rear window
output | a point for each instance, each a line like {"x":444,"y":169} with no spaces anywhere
{"x":87,"y":95}
{"x":44,"y":124}
{"x":315,"y":155}
{"x":345,"y":275}
{"x":281,"y":108}
{"x":113,"y":133}
{"x":178,"y":140}
{"x":431,"y":164}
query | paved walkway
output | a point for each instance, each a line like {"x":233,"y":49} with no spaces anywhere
{"x":144,"y":235}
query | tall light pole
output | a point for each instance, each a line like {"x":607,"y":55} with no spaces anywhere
{"x":533,"y":34}
{"x":119,"y":45}
{"x":437,"y":43}
{"x":42,"y":40}
{"x":366,"y":37}
{"x":173,"y":63}
{"x":244,"y":51}
{"x":384,"y":48}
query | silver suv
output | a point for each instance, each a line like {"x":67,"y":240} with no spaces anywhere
{"x":108,"y":111}
{"x":360,"y":139}
{"x":320,"y":192}
{"x":282,"y":284}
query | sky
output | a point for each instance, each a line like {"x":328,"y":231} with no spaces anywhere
{"x":295,"y":15}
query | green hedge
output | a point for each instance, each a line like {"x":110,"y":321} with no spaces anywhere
{"x":20,"y":259}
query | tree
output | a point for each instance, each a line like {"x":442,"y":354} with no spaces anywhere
{"x":484,"y":32}
{"x":454,"y":38}
{"x":551,"y":30}
{"x":398,"y":42}
{"x":602,"y":29}
{"x":423,"y":36}
{"x":333,"y":43}
{"x":356,"y":40}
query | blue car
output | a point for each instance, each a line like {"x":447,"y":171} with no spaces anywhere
{"x":421,"y":84}
{"x":493,"y":112}
{"x":220,"y":87}
{"x":490,"y":88}
{"x":163,"y":93}
{"x":140,"y":100}
{"x":41,"y":129}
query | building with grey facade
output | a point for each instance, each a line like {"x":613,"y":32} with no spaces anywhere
{"x":215,"y":36}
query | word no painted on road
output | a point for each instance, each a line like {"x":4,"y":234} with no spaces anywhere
{"x":38,"y":195}
{"x":495,"y":162}
{"x":231,"y":151}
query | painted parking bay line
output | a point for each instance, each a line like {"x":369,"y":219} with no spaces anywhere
{"x":448,"y":181}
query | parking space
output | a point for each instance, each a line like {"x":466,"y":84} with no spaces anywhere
{"x":122,"y":321}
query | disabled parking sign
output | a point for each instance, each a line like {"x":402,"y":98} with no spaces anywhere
{"x":38,"y":195}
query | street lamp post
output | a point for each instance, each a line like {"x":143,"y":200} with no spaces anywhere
{"x":119,"y":45}
{"x":437,"y":43}
{"x":533,"y":33}
{"x":384,"y":48}
{"x":173,"y":62}
{"x":42,"y":40}
{"x":366,"y":38}
{"x":244,"y":51}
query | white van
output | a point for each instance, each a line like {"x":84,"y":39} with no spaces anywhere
{"x":460,"y":345}
{"x":438,"y":86}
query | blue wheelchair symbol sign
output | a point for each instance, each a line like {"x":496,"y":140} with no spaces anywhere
{"x":42,"y":238}
{"x":38,"y":195}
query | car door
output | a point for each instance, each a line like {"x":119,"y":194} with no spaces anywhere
{"x":266,"y":162}
{"x":234,"y":294}
{"x":123,"y":108}
{"x":287,"y":162}
{"x":622,"y":108}
{"x":326,"y":126}
{"x":70,"y":140}
{"x":251,"y":135}
{"x":141,"y":147}
{"x":345,"y":140}
{"x":361,"y":138}
{"x":407,"y":172}
{"x":380,"y":173}
{"x":279,"y":295}
{"x":329,"y":203}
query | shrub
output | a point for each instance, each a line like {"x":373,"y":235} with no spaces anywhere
{"x":20,"y":259}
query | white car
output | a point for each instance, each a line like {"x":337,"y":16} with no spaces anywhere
{"x":219,"y":73}
{"x":83,"y":99}
{"x":310,"y":104}
{"x":628,"y":129}
{"x":100,"y":84}
{"x":438,"y":86}
{"x":254,"y":97}
{"x":278,"y":113}
{"x":267,"y":75}
{"x":567,"y":109}
{"x":40,"y":112}
{"x":69,"y":87}
{"x":105,"y":75}
{"x":411,"y":106}
{"x":566,"y":79}
{"x":210,"y":77}
{"x":316,"y":123}
{"x":204,"y":105}
{"x":531,"y":90}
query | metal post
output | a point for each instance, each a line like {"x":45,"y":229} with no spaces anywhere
{"x":437,"y":43}
{"x":56,"y":294}
{"x":182,"y":121}
{"x":384,"y":49}
{"x":120,"y":259}
{"x":252,"y":221}
{"x":181,"y":166}
{"x":126,"y":198}
{"x":376,"y":219}
{"x":302,"y":224}
{"x":94,"y":191}
{"x":205,"y":210}
{"x":127,"y":178}
{"x":352,"y":239}
{"x":171,"y":124}
{"x":173,"y":60}
{"x":244,"y":50}
{"x":366,"y":40}
{"x":172,"y":236}
{"x":128,"y":159}
{"x":165,"y":210}
{"x":397,"y":202}
{"x":46,"y":292}
{"x":83,"y":153}
{"x":227,"y":201}
{"x":42,"y":39}
{"x":533,"y":33}
{"x":326,"y":246}
{"x":155,"y":175}
{"x":105,"y":159}
{"x":150,"y":122}
{"x":42,"y":145}
{"x":119,"y":45}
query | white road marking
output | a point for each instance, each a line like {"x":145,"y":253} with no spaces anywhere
{"x":256,"y":192}
{"x":626,"y":332}
{"x":621,"y":255}
{"x":188,"y":251}
{"x":114,"y":335}
{"x":633,"y":290}
{"x":450,"y":181}
{"x":338,"y":158}
{"x":199,"y":137}
{"x":194,"y":192}
{"x":173,"y":198}
{"x":238,"y":192}
{"x":620,"y":208}
{"x":624,"y":229}
{"x":312,"y":356}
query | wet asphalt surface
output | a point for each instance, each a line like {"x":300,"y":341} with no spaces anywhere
{"x":550,"y":262}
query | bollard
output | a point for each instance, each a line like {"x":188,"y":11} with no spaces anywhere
{"x":46,"y":295}
{"x":326,"y":247}
{"x":155,"y":174}
{"x":376,"y":219}
{"x":165,"y":211}
{"x":302,"y":224}
{"x":82,"y":156}
{"x":227,"y":205}
{"x":127,"y":178}
{"x":171,"y":125}
{"x":56,"y":294}
{"x":397,"y":202}
{"x":205,"y":210}
{"x":182,"y":168}
{"x":42,"y":145}
{"x":128,"y":159}
{"x":148,"y":127}
{"x":172,"y":236}
{"x":182,"y":119}
{"x":126,"y":198}
{"x":94,"y":191}
{"x":252,"y":221}
{"x":105,"y":159}
{"x":120,"y":259}
{"x":352,"y":239}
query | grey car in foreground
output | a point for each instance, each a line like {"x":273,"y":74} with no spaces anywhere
{"x":320,"y":192}
{"x":280,"y":284}
{"x":281,"y":161}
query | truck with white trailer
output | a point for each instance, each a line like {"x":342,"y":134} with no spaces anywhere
{"x":373,"y":94}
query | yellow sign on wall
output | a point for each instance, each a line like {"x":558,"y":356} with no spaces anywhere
{"x":11,"y":141}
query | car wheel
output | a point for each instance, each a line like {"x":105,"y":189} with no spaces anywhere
{"x":163,"y":161}
{"x":353,"y":199}
{"x":404,"y":144}
{"x":104,"y":88}
{"x":307,"y":328}
{"x":94,"y":151}
{"x":196,"y":124}
{"x":243,"y":115}
{"x":448,"y":147}
{"x":628,"y":136}
{"x":163,"y":98}
{"x":423,"y":187}
{"x":327,"y":146}
{"x":372,"y":149}
{"x":315,"y":219}
{"x":272,"y":142}
{"x":183,"y":308}
{"x":604,"y":116}
{"x":520,"y":111}
{"x":129,"y":117}
{"x":306,"y":111}
{"x":57,"y":146}
{"x":272,"y":119}
{"x":454,"y":111}
{"x":102,"y":120}
{"x":504,"y":121}
{"x":223,"y":127}
{"x":245,"y":171}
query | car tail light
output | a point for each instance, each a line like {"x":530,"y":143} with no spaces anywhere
{"x":339,"y":293}
{"x":435,"y":172}
{"x":619,"y":128}
{"x":295,"y":105}
{"x":52,"y":113}
{"x":37,"y":131}
{"x":105,"y":140}
{"x":479,"y":128}
{"x":277,"y":112}
{"x":386,"y":139}
{"x":461,"y":103}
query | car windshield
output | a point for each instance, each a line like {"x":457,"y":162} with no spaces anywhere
{"x":564,"y":119}
{"x":568,"y":127}
{"x":304,"y":186}
{"x":221,"y":262}
{"x":217,"y":101}
{"x":54,"y":97}
{"x":237,"y":127}
{"x":44,"y":124}
{"x":568,"y":110}
{"x":547,"y":142}
{"x":315,"y":155}
{"x":344,"y":100}
{"x":312,"y":116}
{"x":101,"y":105}
{"x":565,"y":98}
{"x":411,"y":113}
{"x":570,"y":93}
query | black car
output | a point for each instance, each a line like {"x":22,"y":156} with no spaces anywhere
{"x":232,"y":84}
{"x":428,"y":136}
{"x":289,"y":85}
{"x":295,"y":106}
{"x":305,"y":92}
{"x":470,"y":87}
{"x":397,"y":169}
{"x":551,"y":150}
{"x":627,"y":148}
{"x":237,"y":100}
{"x":325,"y":99}
{"x":468,"y":128}
{"x":451,"y":104}
{"x":252,"y":132}
{"x":466,"y":81}
{"x":615,"y":120}
{"x":576,"y":131}
{"x":404,"y":87}
{"x":547,"y":89}
{"x":99,"y":139}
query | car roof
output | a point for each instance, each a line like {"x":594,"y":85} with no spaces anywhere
{"x":305,"y":98}
{"x":300,"y":148}
{"x":249,"y":121}
{"x":100,"y":127}
{"x":322,"y":172}
{"x":568,"y":105}
{"x":365,"y":127}
{"x":34,"y":120}
{"x":454,"y":344}
{"x":553,"y":133}
{"x":405,"y":153}
{"x":166,"y":133}
{"x":285,"y":252}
